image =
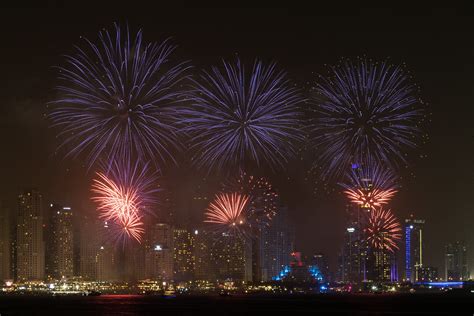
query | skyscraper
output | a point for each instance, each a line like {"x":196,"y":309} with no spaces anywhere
{"x":203,"y":269}
{"x":60,"y":239}
{"x":183,"y":257}
{"x":276,"y":245}
{"x":413,"y":248}
{"x":5,"y":244}
{"x":456,"y":266}
{"x":29,"y":238}
{"x":98,"y":258}
{"x":354,"y":256}
{"x":159,"y":252}
{"x":320,"y":261}
{"x":231,"y":258}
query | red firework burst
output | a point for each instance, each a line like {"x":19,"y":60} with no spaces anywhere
{"x":384,"y":230}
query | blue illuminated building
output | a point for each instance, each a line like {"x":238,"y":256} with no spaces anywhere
{"x":414,"y":245}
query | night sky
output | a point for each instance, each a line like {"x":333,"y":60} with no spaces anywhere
{"x":436,"y":45}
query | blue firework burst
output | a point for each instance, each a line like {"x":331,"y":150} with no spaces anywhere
{"x":117,"y":98}
{"x":365,"y":110}
{"x":240,"y":116}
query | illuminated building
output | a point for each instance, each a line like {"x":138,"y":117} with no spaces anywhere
{"x":183,"y":257}
{"x":428,"y":274}
{"x":203,"y":242}
{"x":30,"y":248}
{"x":60,"y":243}
{"x":413,"y":248}
{"x":98,"y":260}
{"x":231,"y":258}
{"x":276,"y":245}
{"x":159,"y":252}
{"x":383,"y":266}
{"x":456,"y":266}
{"x":319,"y":260}
{"x":354,"y":256}
{"x":5,"y":245}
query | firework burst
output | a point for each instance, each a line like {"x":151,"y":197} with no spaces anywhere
{"x":365,"y":110}
{"x":239,"y":117}
{"x":262,"y":198}
{"x":228,"y":211}
{"x":383,"y":230}
{"x":122,"y":196}
{"x":370,"y":185}
{"x":117,"y":99}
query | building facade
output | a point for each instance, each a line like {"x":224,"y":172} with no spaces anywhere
{"x":414,"y":245}
{"x":98,"y":258}
{"x":5,"y":245}
{"x":60,"y":256}
{"x":183,"y":257}
{"x":30,"y":247}
{"x":456,"y":262}
{"x":159,"y":251}
{"x":276,"y":243}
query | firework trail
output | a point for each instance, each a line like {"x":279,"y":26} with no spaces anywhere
{"x":384,"y":230}
{"x":118,"y":99}
{"x":365,"y":110}
{"x":122,"y":196}
{"x":370,"y":185}
{"x":229,"y":212}
{"x":240,"y":116}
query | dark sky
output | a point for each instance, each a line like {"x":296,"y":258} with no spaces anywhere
{"x":435,"y":43}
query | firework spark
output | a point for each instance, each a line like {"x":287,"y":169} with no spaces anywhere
{"x":117,"y":99}
{"x":365,"y":110}
{"x":262,"y":198}
{"x":228,"y":210}
{"x":370,"y":185}
{"x":384,"y":230}
{"x":241,"y":117}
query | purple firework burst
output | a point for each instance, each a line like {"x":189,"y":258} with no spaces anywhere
{"x":118,"y":98}
{"x":240,"y":116}
{"x":365,"y":110}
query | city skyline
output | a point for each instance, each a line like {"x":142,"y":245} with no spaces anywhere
{"x":67,"y":182}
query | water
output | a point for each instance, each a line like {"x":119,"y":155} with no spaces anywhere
{"x":407,"y":304}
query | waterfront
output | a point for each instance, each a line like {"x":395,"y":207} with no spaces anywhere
{"x":360,"y":304}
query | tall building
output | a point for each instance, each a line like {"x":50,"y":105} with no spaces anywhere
{"x":414,"y":245}
{"x":354,"y":256}
{"x":30,"y":248}
{"x":5,"y":244}
{"x":183,"y":257}
{"x":231,"y":258}
{"x":456,"y":266}
{"x":159,"y":252}
{"x":276,"y":244}
{"x":98,"y":258}
{"x":60,"y":259}
{"x":203,"y":246}
{"x":383,"y":266}
{"x":320,"y":261}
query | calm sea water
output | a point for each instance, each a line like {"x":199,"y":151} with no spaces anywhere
{"x":431,"y":304}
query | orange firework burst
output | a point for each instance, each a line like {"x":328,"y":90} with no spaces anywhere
{"x":370,"y":197}
{"x":384,"y":230}
{"x":228,"y":210}
{"x":370,"y":185}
